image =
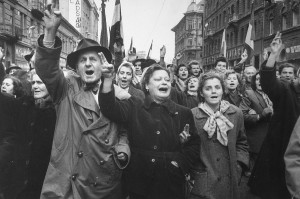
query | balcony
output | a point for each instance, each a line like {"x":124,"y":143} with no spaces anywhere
{"x":209,"y":34}
{"x":38,"y":7}
{"x":233,"y":19}
{"x":11,"y":32}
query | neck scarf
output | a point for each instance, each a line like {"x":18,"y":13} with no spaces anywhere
{"x":217,"y":122}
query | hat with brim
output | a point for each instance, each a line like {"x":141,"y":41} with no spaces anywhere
{"x":29,"y":56}
{"x":11,"y":68}
{"x":138,"y":60}
{"x":147,"y":63}
{"x":87,"y":45}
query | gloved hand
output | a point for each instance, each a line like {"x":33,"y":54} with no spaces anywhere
{"x":266,"y":114}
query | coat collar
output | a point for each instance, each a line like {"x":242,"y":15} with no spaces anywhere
{"x":86,"y":100}
{"x":168,"y":104}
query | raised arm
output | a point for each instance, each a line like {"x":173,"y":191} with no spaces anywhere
{"x":48,"y":56}
{"x":115,"y":110}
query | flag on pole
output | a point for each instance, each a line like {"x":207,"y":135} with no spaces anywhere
{"x":116,"y":32}
{"x":150,"y":51}
{"x":104,"y":36}
{"x":250,"y":36}
{"x":224,"y":45}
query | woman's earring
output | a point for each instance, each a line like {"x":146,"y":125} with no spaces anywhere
{"x":147,"y":90}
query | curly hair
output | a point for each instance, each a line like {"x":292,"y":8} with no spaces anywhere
{"x":17,"y":86}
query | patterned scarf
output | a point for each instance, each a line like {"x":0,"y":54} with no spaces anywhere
{"x":217,"y":122}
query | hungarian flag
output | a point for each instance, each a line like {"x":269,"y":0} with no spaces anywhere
{"x":116,"y":32}
{"x":224,"y":45}
{"x":150,"y":51}
{"x":103,"y":38}
{"x":249,"y":41}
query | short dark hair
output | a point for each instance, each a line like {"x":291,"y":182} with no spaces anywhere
{"x":208,"y":76}
{"x":148,"y":74}
{"x":287,"y":65}
{"x":221,"y":59}
{"x":253,"y":81}
{"x":188,"y":80}
{"x":229,"y":72}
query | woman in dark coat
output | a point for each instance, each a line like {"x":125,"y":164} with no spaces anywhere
{"x":223,"y":143}
{"x":41,"y":136}
{"x":162,"y":151}
{"x":257,"y":109}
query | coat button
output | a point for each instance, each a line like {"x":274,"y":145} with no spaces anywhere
{"x":106,"y":141}
{"x":153,"y":160}
{"x":27,"y":162}
{"x":80,"y":154}
{"x":95,"y":184}
{"x":73,"y":177}
{"x":214,"y":140}
{"x":32,"y":124}
{"x":219,"y":178}
{"x":155,"y":147}
{"x":157,"y":132}
{"x":218,"y":159}
{"x":101,"y":162}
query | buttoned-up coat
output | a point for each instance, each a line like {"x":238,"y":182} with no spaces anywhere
{"x":83,"y":158}
{"x":216,"y":175}
{"x":154,"y":140}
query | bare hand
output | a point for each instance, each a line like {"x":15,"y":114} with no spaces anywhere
{"x":276,"y":44}
{"x":1,"y":53}
{"x":135,"y":81}
{"x":252,"y":112}
{"x":265,"y":55}
{"x":107,"y":69}
{"x":184,"y":136}
{"x":163,"y":51}
{"x":122,"y":156}
{"x":174,"y":163}
{"x":178,"y":56}
{"x":52,"y":17}
{"x":244,"y":56}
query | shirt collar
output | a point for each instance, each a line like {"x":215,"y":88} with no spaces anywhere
{"x":168,"y":104}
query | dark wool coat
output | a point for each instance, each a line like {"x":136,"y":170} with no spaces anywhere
{"x":216,"y":175}
{"x":233,"y":98}
{"x":136,"y":92}
{"x":8,"y":136}
{"x":154,"y":140}
{"x":256,"y":131}
{"x":268,"y":175}
{"x":40,"y":150}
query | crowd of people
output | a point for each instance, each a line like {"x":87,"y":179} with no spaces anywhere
{"x":146,"y":129}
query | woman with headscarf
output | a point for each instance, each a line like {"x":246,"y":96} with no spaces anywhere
{"x":161,"y":136}
{"x":223,"y":143}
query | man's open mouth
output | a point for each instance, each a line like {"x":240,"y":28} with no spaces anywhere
{"x":89,"y":72}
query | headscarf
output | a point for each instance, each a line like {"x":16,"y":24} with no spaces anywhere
{"x":217,"y":122}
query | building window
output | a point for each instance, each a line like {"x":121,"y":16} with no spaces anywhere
{"x":242,"y":6}
{"x":271,"y":24}
{"x":283,"y":22}
{"x":224,"y":17}
{"x":189,"y":25}
{"x":232,"y":9}
{"x":237,"y":7}
{"x":242,"y":36}
{"x":295,"y":17}
{"x":190,"y":41}
{"x":217,"y":21}
{"x":194,"y":24}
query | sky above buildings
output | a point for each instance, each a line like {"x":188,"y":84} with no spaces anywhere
{"x":147,"y":20}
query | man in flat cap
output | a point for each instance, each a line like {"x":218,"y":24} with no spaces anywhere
{"x":88,"y":150}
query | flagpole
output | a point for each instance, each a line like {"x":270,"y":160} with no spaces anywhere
{"x":103,"y":37}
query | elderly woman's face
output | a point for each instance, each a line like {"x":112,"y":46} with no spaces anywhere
{"x":159,"y":85}
{"x":7,"y":86}
{"x":193,"y":84}
{"x":124,"y":77}
{"x":89,"y":67}
{"x":38,"y":87}
{"x":183,"y":73}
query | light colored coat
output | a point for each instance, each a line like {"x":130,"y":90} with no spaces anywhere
{"x":217,"y":176}
{"x":83,"y":160}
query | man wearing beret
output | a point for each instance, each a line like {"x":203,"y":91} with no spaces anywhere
{"x":88,"y":150}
